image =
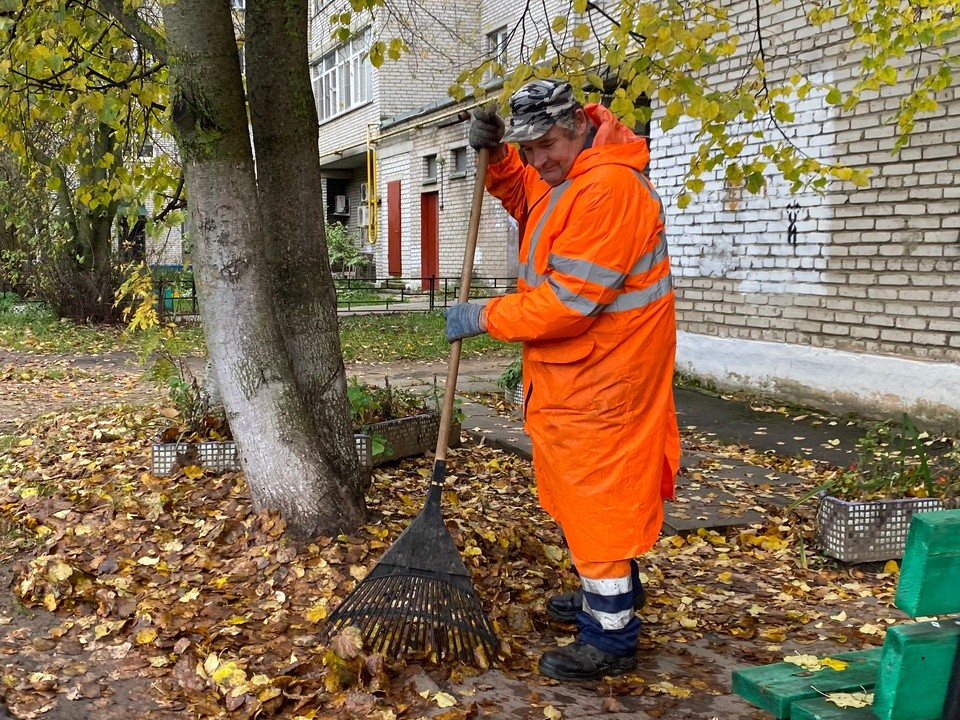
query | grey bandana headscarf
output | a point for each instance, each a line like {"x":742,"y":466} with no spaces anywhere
{"x":536,"y":107}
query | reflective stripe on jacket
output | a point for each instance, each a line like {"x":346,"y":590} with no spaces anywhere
{"x":594,"y":309}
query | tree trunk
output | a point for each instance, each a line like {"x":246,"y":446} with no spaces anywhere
{"x":284,"y":120}
{"x":281,"y":453}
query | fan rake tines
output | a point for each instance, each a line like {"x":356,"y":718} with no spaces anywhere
{"x":420,"y":614}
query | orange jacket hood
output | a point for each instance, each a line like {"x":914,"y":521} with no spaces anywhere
{"x":614,"y":143}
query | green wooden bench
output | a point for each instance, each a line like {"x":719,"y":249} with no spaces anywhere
{"x":915,"y":675}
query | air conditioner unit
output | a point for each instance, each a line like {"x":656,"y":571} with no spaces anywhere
{"x":340,"y":204}
{"x":363,"y":192}
{"x":363,"y":216}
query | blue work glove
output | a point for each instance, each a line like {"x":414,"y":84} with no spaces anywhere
{"x":486,"y":130}
{"x":464,"y":320}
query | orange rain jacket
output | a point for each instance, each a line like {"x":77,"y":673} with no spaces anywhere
{"x":594,"y":309}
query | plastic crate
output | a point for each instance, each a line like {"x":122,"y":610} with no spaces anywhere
{"x":409,"y":436}
{"x":867,"y":531}
{"x":514,"y":395}
{"x":223,"y":456}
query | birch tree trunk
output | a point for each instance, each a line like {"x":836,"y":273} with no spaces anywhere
{"x":284,"y":120}
{"x":283,"y":457}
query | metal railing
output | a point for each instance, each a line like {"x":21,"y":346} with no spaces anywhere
{"x":410,"y":294}
{"x":178,"y":298}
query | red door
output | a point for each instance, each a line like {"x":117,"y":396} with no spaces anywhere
{"x":394,"y":235}
{"x":429,"y":238}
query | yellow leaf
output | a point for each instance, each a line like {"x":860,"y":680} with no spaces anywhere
{"x":146,"y":635}
{"x":552,"y":713}
{"x":775,"y":634}
{"x":834,"y":664}
{"x":148,"y":561}
{"x":850,"y":700}
{"x":891,"y":567}
{"x":229,"y":674}
{"x":807,"y":662}
{"x":105,"y":628}
{"x":193,"y":472}
{"x":444,"y":700}
{"x":870,"y":629}
{"x":725,"y":577}
{"x":316,"y":612}
{"x":50,"y":602}
{"x":554,"y":554}
{"x":190,"y":595}
{"x":840,"y":617}
{"x":358,"y":572}
{"x":59,"y":570}
{"x":25,"y":442}
{"x":268,"y":693}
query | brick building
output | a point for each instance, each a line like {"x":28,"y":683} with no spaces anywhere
{"x":849,"y":299}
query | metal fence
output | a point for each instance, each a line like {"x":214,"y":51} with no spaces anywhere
{"x":178,"y":298}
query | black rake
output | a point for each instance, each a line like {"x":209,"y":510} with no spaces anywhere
{"x":419,"y":598}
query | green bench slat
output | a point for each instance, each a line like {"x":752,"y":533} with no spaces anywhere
{"x":929,"y":581}
{"x":915,"y":669}
{"x":776,"y":687}
{"x":821,"y":709}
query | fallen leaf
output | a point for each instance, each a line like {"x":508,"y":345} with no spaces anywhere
{"x":850,"y":700}
{"x":444,"y":700}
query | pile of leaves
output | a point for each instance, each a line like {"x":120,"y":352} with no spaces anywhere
{"x":180,"y":582}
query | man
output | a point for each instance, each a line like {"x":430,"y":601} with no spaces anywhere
{"x":594,"y":310}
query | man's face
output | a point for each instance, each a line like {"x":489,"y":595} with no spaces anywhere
{"x":552,"y":154}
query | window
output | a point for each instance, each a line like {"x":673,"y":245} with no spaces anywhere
{"x":238,"y":4}
{"x":497,"y":52}
{"x":429,"y":169}
{"x":458,"y":157}
{"x":343,"y":79}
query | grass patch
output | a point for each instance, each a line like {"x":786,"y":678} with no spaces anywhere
{"x":30,"y":327}
{"x":364,"y":338}
{"x":407,"y":336}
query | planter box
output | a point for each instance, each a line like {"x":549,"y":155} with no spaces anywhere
{"x":409,"y":436}
{"x":403,"y":437}
{"x":223,"y":456}
{"x":867,"y":531}
{"x":514,"y":395}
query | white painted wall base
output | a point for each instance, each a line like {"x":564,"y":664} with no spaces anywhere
{"x":870,"y":385}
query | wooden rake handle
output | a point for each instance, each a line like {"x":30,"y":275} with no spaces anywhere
{"x":453,"y":367}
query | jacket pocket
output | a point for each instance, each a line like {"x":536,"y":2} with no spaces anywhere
{"x":561,"y":352}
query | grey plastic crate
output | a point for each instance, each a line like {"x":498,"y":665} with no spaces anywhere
{"x":514,"y":395}
{"x":223,"y":456}
{"x":867,"y":531}
{"x":410,"y":436}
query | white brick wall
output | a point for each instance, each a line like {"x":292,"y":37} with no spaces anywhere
{"x":873,"y":271}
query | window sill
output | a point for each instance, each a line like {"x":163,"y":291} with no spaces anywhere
{"x":458,"y":175}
